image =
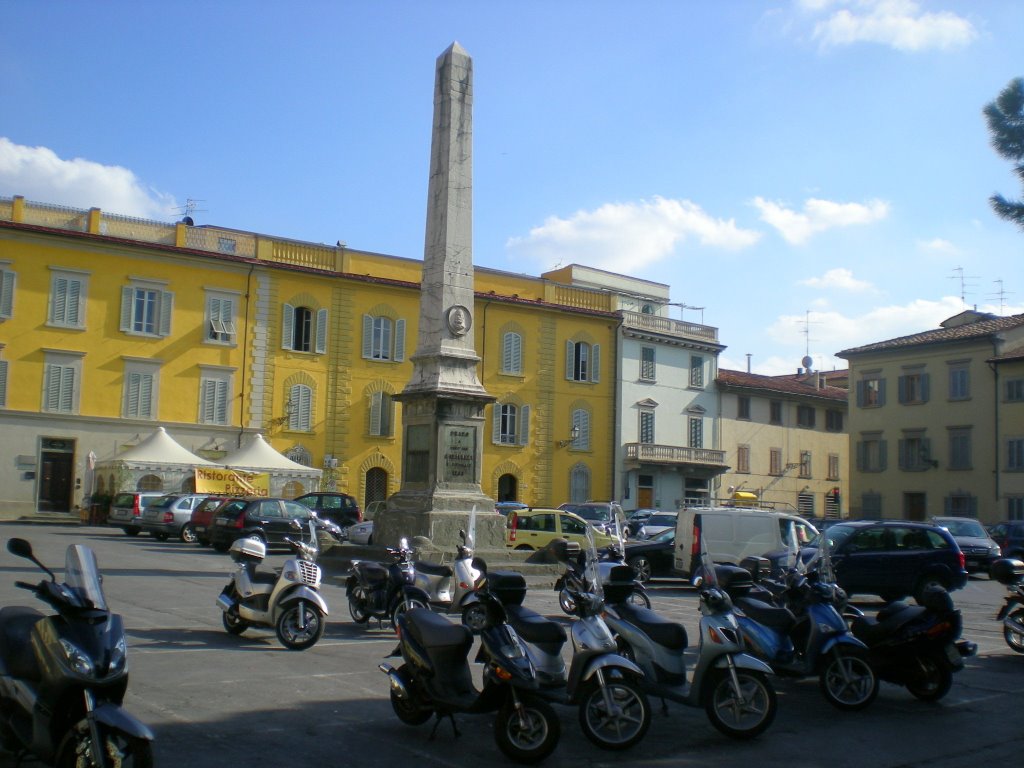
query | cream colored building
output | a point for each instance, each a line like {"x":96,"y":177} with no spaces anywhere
{"x":785,"y":441}
{"x":937,"y":421}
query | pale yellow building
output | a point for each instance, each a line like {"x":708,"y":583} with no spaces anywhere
{"x":937,"y":421}
{"x":112,"y":326}
{"x":785,"y":441}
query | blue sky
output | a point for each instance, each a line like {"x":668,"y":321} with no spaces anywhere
{"x":804,"y":174}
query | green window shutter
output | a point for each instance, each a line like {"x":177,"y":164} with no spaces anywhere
{"x":166,"y":308}
{"x":595,"y":363}
{"x":287,"y":326}
{"x":496,"y":423}
{"x":127,"y":296}
{"x":367,"y":337}
{"x":375,"y":414}
{"x":570,"y":359}
{"x":925,"y":387}
{"x":883,"y":454}
{"x":7,"y":280}
{"x":3,"y":383}
{"x":860,"y":394}
{"x":881,"y":392}
{"x":399,"y":341}
{"x":321,"y":331}
{"x":524,"y":425}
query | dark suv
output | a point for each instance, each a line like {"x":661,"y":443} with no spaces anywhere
{"x":340,"y":508}
{"x":1010,"y":538}
{"x":890,"y":558}
{"x":268,"y":520}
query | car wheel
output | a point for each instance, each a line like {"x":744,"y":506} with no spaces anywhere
{"x":524,"y":548}
{"x":130,"y":531}
{"x":642,"y":569}
{"x":188,"y":534}
{"x":221,"y":547}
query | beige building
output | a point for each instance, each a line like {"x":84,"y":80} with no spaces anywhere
{"x":937,"y":421}
{"x":785,"y":440}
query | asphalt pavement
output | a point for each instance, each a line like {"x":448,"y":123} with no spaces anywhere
{"x":218,"y":701}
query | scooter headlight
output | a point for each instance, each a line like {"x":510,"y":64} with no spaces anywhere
{"x":118,"y":657}
{"x":79,"y":662}
{"x":290,"y":574}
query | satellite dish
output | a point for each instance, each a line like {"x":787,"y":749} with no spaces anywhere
{"x":807,"y":361}
{"x":187,"y":221}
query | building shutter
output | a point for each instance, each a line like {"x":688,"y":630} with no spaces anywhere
{"x":496,"y":423}
{"x":524,"y":425}
{"x":399,"y":341}
{"x":570,"y":359}
{"x":375,"y":405}
{"x":595,"y":363}
{"x":287,"y":326}
{"x":127,"y":295}
{"x":321,"y":332}
{"x":166,"y":307}
{"x":7,"y":279}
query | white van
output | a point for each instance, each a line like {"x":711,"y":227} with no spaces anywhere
{"x":732,"y":533}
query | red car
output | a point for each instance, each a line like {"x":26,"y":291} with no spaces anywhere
{"x":202,"y":517}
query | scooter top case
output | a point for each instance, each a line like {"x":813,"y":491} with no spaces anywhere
{"x":248,"y":551}
{"x":1007,"y":570}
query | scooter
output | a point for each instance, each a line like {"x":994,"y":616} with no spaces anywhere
{"x":288,"y":601}
{"x":916,"y":646}
{"x":608,"y":560}
{"x":731,"y":685}
{"x":383,"y":592}
{"x":1010,"y":573}
{"x":63,"y":677}
{"x":435,"y":680}
{"x":613,"y":710}
{"x":453,"y":588}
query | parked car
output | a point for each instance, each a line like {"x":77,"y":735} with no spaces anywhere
{"x":656,"y":523}
{"x":171,"y":515}
{"x":569,"y":506}
{"x":1010,"y":538}
{"x":126,"y":509}
{"x":340,"y":508}
{"x":889,"y":558}
{"x":979,"y":549}
{"x":362,"y":533}
{"x":504,"y":507}
{"x":651,"y":557}
{"x":202,"y":517}
{"x":635,"y":519}
{"x":267,"y":520}
{"x":536,"y":528}
{"x":600,"y":514}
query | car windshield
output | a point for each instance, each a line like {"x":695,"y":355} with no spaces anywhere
{"x":163,"y":501}
{"x":837,"y":534}
{"x":667,"y":535}
{"x":655,"y":520}
{"x":964,"y":528}
{"x":593,"y":513}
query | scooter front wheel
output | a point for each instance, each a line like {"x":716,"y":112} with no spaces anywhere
{"x":75,"y":750}
{"x":847,"y":679}
{"x":930,"y":679}
{"x":404,"y":606}
{"x":358,"y":606}
{"x":527,"y":732}
{"x":300,"y":625}
{"x":616,"y":716}
{"x":638,"y":598}
{"x":1015,"y":639}
{"x":743,"y":713}
{"x":566,"y":603}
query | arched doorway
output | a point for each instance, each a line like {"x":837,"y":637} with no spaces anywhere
{"x":376,"y":486}
{"x":508,"y":488}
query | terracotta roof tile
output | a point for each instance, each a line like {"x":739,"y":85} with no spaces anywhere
{"x":789,"y":385}
{"x":964,"y":332}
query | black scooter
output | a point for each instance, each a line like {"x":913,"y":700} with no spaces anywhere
{"x":435,"y":680}
{"x":63,"y":676}
{"x":916,"y":646}
{"x":383,"y":592}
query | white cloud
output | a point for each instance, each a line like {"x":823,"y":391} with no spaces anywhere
{"x":900,"y":24}
{"x":938,"y":246}
{"x":620,"y":236}
{"x":39,"y":174}
{"x":840,"y":279}
{"x":818,"y":216}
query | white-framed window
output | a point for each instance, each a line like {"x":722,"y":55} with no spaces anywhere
{"x":140,"y":391}
{"x":512,"y":353}
{"x":697,"y":371}
{"x":303,"y":329}
{"x":215,"y":395}
{"x":646,"y":426}
{"x":580,"y":427}
{"x":648,"y":371}
{"x":62,"y":382}
{"x":146,"y":308}
{"x":511,"y":424}
{"x":579,"y":483}
{"x":3,"y":378}
{"x":219,"y":321}
{"x":383,"y":338}
{"x":67,"y":298}
{"x":300,"y":411}
{"x":582,"y":361}
{"x":382,"y":414}
{"x":8,"y":278}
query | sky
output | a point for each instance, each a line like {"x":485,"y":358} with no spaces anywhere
{"x":806,"y":175}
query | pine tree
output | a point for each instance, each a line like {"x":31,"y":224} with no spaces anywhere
{"x":1005,"y":118}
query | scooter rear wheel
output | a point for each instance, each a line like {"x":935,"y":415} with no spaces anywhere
{"x":527,"y":734}
{"x":408,"y":710}
{"x":300,"y":626}
{"x":233,"y":623}
{"x":619,"y":725}
{"x":745,"y":715}
{"x":75,"y":751}
{"x":358,"y":606}
{"x":931,"y":679}
{"x":1014,"y":639}
{"x":847,"y":679}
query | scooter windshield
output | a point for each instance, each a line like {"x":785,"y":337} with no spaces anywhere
{"x":471,"y":529}
{"x":592,"y":571}
{"x":82,"y":578}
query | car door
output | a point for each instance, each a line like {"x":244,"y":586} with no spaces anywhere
{"x":540,"y":529}
{"x":573,"y":529}
{"x":267,"y":516}
{"x":298,"y":516}
{"x":858,"y":561}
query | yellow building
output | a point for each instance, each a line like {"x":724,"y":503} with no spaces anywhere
{"x":785,"y":441}
{"x":937,"y":421}
{"x":111,"y":326}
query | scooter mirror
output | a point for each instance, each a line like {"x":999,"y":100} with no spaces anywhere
{"x":21,"y":548}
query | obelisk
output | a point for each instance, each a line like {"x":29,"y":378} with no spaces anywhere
{"x":443,"y":403}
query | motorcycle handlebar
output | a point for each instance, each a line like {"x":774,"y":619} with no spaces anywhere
{"x":26,"y":585}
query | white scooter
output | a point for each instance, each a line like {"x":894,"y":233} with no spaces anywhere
{"x":452,"y":588}
{"x":288,"y":601}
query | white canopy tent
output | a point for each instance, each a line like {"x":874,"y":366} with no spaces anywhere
{"x":158,"y":463}
{"x":287,"y":478}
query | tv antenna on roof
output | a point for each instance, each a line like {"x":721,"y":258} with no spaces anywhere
{"x":963,"y":282}
{"x":807,"y":322}
{"x":190,"y":207}
{"x":1001,"y":294}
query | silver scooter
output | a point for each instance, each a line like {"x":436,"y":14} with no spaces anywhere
{"x":288,"y":600}
{"x":731,"y":685}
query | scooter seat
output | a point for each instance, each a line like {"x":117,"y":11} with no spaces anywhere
{"x":433,"y":569}
{"x":872,"y":630}
{"x":433,"y":631}
{"x":16,"y":624}
{"x":662,"y":631}
{"x":769,"y":615}
{"x":533,"y":627}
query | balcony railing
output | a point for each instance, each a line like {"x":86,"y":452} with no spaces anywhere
{"x":669,"y":327}
{"x":648,"y":453}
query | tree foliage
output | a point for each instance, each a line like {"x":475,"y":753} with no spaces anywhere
{"x":1005,"y":118}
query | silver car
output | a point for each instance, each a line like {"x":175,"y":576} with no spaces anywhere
{"x":171,"y":515}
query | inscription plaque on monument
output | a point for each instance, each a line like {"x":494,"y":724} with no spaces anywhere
{"x":459,"y":454}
